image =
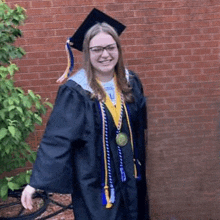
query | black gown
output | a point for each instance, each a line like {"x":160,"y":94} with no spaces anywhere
{"x":69,"y":159}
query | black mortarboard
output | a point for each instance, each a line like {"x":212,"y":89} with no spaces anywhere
{"x":94,"y":17}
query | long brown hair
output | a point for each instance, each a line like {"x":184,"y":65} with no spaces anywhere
{"x":119,"y":68}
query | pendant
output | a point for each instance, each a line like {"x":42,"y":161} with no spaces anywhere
{"x":121,"y":139}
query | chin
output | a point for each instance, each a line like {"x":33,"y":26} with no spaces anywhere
{"x":106,"y":69}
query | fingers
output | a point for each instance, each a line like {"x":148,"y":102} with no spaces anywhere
{"x":26,"y":197}
{"x":26,"y":201}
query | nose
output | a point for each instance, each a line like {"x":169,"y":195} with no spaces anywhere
{"x":105,"y":53}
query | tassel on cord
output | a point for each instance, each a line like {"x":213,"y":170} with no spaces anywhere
{"x":123,"y":175}
{"x":108,"y":205}
{"x":104,"y":201}
{"x":112,"y":198}
{"x":70,"y":65}
{"x":135,"y":169}
{"x":137,"y":164}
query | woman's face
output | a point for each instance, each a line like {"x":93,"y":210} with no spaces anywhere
{"x":103,"y":53}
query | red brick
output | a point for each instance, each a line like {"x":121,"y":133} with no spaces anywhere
{"x":37,"y":11}
{"x":41,"y":4}
{"x":174,"y":86}
{"x":163,"y":66}
{"x":183,"y":52}
{"x":183,"y":93}
{"x":38,"y":69}
{"x":192,"y":58}
{"x":172,"y":59}
{"x":56,"y":25}
{"x":172,"y":46}
{"x":163,"y":53}
{"x":183,"y":65}
{"x":114,"y":7}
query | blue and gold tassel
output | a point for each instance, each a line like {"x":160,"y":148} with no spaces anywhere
{"x":70,"y":63}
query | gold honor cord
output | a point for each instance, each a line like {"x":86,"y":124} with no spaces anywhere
{"x":132,"y":142}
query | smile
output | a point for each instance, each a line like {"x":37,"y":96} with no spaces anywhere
{"x":105,"y":61}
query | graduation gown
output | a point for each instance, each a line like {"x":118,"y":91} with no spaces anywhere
{"x":69,"y":159}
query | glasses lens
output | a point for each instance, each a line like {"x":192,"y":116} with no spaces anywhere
{"x":97,"y":50}
{"x":111,"y":48}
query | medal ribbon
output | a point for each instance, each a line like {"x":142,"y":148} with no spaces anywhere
{"x":114,"y":110}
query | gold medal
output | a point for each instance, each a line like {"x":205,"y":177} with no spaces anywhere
{"x":121,"y":139}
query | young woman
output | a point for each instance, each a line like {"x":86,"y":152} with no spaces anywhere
{"x":93,"y":146}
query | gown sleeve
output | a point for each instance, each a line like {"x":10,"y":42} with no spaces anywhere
{"x":52,"y":170}
{"x":141,"y":101}
{"x":140,"y":127}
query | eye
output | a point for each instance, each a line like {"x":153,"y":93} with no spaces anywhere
{"x":96,"y":49}
{"x":111,"y":48}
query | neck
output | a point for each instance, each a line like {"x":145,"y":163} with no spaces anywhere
{"x":105,"y":77}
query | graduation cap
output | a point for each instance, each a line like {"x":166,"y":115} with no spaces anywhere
{"x":94,"y":17}
{"x":76,"y":41}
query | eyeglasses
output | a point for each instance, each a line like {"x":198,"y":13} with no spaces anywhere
{"x":98,"y":50}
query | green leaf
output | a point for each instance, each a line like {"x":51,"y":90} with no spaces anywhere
{"x":7,"y":150}
{"x":38,"y":105}
{"x":27,"y":122}
{"x":31,"y":94}
{"x":20,"y":110}
{"x":38,"y":118}
{"x":32,"y":157}
{"x":17,"y":134}
{"x":3,"y":133}
{"x":13,"y":186}
{"x":27,"y":103}
{"x":27,"y":178}
{"x":20,"y":90}
{"x":49,"y":104}
{"x":12,"y":68}
{"x":12,"y":130}
{"x":20,"y":179}
{"x":2,"y":114}
{"x":4,"y":191}
{"x":12,"y":114}
{"x":10,"y":101}
{"x":11,"y":108}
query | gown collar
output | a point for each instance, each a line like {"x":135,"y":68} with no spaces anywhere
{"x":81,"y":79}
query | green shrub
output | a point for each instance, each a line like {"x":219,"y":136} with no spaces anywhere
{"x":19,"y":111}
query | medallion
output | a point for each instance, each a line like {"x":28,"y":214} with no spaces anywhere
{"x":121,"y":139}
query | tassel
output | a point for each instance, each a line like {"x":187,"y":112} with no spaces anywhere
{"x":112,"y":199}
{"x":104,"y":201}
{"x":70,"y":59}
{"x":138,"y":168}
{"x":108,"y":205}
{"x":123,"y":175}
{"x":70,"y":65}
{"x":135,"y":169}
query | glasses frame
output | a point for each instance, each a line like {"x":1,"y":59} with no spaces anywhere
{"x":103,"y":48}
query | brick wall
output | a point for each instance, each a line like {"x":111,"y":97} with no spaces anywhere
{"x":173,"y":45}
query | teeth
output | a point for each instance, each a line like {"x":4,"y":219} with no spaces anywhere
{"x":105,"y":61}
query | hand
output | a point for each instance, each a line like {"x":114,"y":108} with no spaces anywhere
{"x":26,"y":197}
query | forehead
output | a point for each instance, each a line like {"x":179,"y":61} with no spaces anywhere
{"x":101,"y":39}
